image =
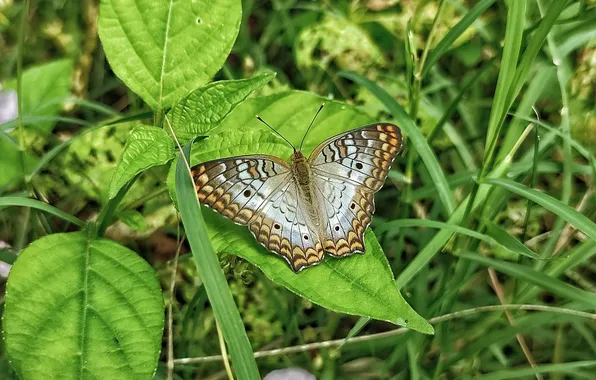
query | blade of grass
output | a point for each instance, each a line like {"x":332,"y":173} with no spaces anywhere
{"x":108,"y":211}
{"x":555,"y":206}
{"x":33,"y":203}
{"x":418,"y":140}
{"x":454,"y":33}
{"x":218,"y":291}
{"x":578,"y":255}
{"x":455,"y":102}
{"x":543,"y":368}
{"x":511,"y":48}
{"x":581,"y":149}
{"x":533,"y":47}
{"x":539,"y":279}
{"x":500,"y":238}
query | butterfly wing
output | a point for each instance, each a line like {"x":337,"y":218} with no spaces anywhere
{"x":260,"y":191}
{"x":347,"y":170}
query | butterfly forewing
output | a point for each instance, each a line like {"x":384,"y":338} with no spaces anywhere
{"x":260,"y":191}
{"x":347,"y":170}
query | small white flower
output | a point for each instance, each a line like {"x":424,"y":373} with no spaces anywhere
{"x":8,"y":106}
{"x":290,"y":374}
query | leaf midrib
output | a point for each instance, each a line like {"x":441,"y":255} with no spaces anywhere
{"x":165,"y":53}
{"x":85,"y":288}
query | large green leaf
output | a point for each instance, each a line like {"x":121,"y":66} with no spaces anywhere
{"x":359,"y":285}
{"x":44,"y":89}
{"x":206,"y":107}
{"x":78,"y":307}
{"x":147,"y":146}
{"x":163,"y":49}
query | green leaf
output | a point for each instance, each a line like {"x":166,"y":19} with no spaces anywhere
{"x":44,"y":89}
{"x":507,"y":241}
{"x":580,"y":221}
{"x":524,"y":273}
{"x":358,"y":285}
{"x":163,"y":49}
{"x":205,"y":108}
{"x":214,"y":281}
{"x":290,"y":113}
{"x":418,"y":140}
{"x":78,"y":307}
{"x":34,"y":203}
{"x":147,"y":146}
{"x":133,"y":219}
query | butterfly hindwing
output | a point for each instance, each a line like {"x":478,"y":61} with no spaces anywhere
{"x":347,"y":170}
{"x":260,"y":191}
{"x":283,"y":226}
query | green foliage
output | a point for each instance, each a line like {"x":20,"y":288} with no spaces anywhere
{"x":495,"y":100}
{"x":164,"y":49}
{"x":99,"y":316}
{"x":147,"y":146}
{"x":133,"y":219}
{"x":343,"y":42}
{"x":205,"y":108}
{"x":579,"y":220}
{"x":45,"y":89}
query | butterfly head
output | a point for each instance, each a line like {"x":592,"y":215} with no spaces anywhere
{"x":298,"y":157}
{"x":299,"y":150}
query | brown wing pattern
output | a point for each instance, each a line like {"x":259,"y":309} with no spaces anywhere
{"x":347,"y":170}
{"x":260,"y":191}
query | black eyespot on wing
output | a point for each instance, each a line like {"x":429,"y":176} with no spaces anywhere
{"x":305,"y":237}
{"x":353,"y":206}
{"x":276,"y":226}
{"x":247,"y":193}
{"x":337,"y":228}
{"x":359,"y":165}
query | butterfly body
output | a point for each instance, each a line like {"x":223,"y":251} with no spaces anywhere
{"x":310,"y":206}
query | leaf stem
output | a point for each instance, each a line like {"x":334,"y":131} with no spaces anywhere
{"x":107,"y":213}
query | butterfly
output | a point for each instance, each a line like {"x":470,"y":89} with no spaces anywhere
{"x":310,"y":206}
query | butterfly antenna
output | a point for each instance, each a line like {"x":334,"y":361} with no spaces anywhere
{"x":311,"y":123}
{"x":279,"y":134}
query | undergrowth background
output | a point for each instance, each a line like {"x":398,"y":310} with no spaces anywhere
{"x":368,"y":53}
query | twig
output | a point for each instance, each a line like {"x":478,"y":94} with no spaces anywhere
{"x":170,"y":375}
{"x":520,"y":338}
{"x":399,"y":331}
{"x":569,"y":229}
